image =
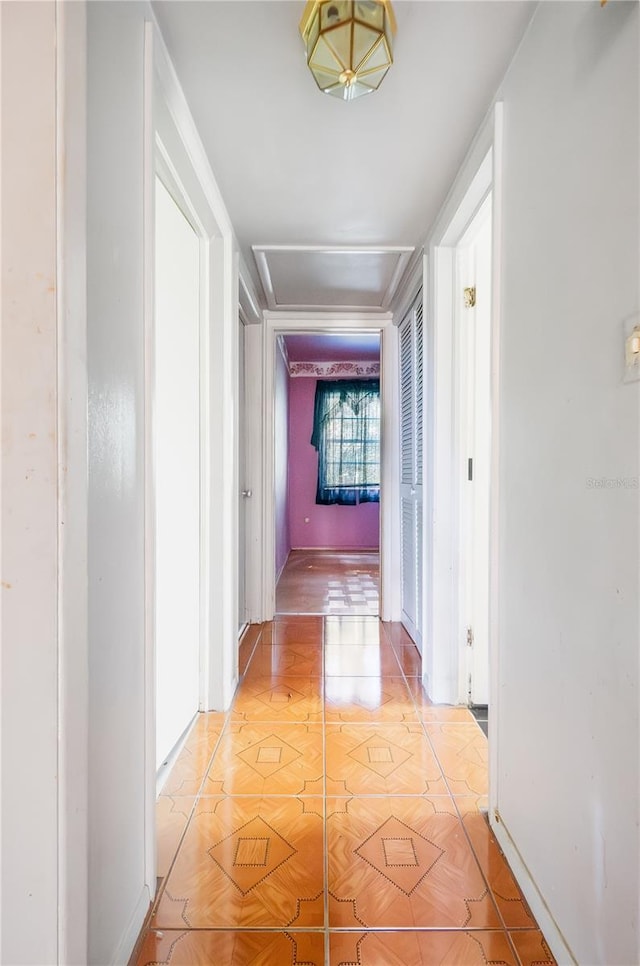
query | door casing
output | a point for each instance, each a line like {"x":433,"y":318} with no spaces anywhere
{"x":473,"y":428}
{"x":171,"y":142}
{"x":481,"y":174}
{"x":277,"y":324}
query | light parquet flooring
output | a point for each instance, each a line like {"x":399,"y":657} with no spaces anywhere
{"x":334,"y":817}
{"x":329,"y":582}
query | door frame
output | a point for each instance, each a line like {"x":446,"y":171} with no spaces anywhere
{"x":171,"y":141}
{"x":415,"y":630}
{"x":480,"y":175}
{"x":470,"y":498}
{"x":167,"y":175}
{"x":327,"y":323}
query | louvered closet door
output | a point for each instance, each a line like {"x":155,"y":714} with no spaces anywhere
{"x":411,"y":460}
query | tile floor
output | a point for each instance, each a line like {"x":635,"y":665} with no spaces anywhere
{"x":333,"y":818}
{"x":329,"y":582}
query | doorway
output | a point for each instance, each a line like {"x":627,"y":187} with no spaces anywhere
{"x":464,"y":260}
{"x":177,"y":472}
{"x":327,"y":473}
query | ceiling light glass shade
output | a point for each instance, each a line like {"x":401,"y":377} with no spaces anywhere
{"x":349,"y":44}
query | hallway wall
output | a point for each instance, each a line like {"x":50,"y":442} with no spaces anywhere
{"x":568,"y":579}
{"x":333,"y":527}
{"x":118,"y":898}
{"x":33,"y":397}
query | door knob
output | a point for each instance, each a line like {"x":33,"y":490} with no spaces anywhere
{"x":246,"y":493}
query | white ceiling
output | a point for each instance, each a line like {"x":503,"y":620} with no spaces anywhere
{"x":321,"y":278}
{"x":299,"y":168}
{"x":360,"y":347}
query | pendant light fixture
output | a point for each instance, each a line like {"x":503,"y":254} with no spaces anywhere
{"x":349,"y":44}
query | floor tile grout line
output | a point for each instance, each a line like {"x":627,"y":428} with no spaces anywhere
{"x":198,"y":795}
{"x":452,"y":797}
{"x":424,"y":730}
{"x":310,"y":795}
{"x":458,"y":813}
{"x":479,"y":864}
{"x":351,"y":929}
{"x":524,"y":930}
{"x":196,"y":799}
{"x":253,"y":649}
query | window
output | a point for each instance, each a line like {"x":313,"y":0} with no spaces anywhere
{"x":346,"y":434}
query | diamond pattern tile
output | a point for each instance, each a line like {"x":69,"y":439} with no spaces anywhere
{"x":400,"y":854}
{"x":415,"y":866}
{"x":247,"y":862}
{"x":382,"y":757}
{"x":267,"y":758}
{"x":251,"y":853}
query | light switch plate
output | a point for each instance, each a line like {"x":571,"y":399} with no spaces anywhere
{"x":631,"y":364}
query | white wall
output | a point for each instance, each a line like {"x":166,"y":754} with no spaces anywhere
{"x":118,"y":896}
{"x":29,"y":486}
{"x":177,"y":471}
{"x":567,"y":780}
{"x":120,"y":250}
{"x":43,"y":685}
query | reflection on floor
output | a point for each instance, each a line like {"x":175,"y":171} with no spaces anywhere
{"x":329,"y":582}
{"x":334,"y":816}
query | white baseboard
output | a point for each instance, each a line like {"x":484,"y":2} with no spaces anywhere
{"x":163,"y":771}
{"x":131,"y":933}
{"x":279,"y":574}
{"x":552,"y":934}
{"x":341,"y":549}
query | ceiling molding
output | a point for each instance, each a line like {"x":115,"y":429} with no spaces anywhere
{"x":382,"y":267}
{"x":411,"y":283}
{"x":175,"y":99}
{"x":319,"y":322}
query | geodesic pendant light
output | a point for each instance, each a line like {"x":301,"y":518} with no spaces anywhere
{"x":349,"y":44}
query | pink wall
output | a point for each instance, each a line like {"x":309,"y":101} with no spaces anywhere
{"x":340,"y":527}
{"x":283,"y":541}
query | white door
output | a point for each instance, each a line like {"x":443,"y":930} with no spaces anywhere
{"x":177,"y":471}
{"x":474,"y":312}
{"x":411,"y":464}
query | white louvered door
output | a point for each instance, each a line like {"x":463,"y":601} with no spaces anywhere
{"x":411,"y":463}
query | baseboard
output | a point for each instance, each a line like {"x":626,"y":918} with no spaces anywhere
{"x":130,"y":937}
{"x":279,"y":574}
{"x":550,"y":929}
{"x":340,"y":549}
{"x":163,"y":771}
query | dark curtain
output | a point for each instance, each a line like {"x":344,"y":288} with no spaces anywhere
{"x":346,"y":434}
